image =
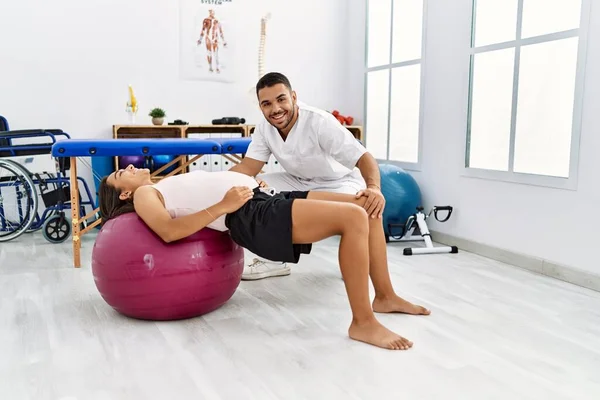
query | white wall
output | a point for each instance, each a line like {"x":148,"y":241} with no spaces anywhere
{"x":354,"y":81}
{"x":67,"y":63}
{"x":560,"y":226}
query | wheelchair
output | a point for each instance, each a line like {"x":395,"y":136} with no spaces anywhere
{"x":26,"y":185}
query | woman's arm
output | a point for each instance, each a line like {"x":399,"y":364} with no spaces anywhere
{"x":151,"y":210}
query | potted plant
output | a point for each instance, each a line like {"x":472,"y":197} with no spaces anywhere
{"x":158,"y":116}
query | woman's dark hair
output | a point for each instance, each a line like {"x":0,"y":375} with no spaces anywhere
{"x":272,"y":79}
{"x":111,"y":206}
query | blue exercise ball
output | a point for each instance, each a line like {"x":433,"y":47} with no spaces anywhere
{"x":402,"y":197}
{"x":162,"y":160}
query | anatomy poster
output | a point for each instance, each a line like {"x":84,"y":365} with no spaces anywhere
{"x":207,"y":40}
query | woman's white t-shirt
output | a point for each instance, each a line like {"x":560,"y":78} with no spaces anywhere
{"x":195,"y":191}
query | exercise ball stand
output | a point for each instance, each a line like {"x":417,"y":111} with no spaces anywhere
{"x":416,"y":230}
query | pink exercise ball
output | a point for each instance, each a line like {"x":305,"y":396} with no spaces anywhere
{"x":143,"y":277}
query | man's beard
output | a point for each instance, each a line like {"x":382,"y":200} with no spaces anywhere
{"x":290,"y":118}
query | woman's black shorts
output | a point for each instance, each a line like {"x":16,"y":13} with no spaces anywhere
{"x":264,"y":226}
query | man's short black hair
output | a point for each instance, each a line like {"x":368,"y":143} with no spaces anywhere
{"x":272,"y":79}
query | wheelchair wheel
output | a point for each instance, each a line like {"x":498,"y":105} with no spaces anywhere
{"x":57,"y":228}
{"x":18,"y":200}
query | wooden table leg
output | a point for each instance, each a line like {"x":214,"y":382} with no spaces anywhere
{"x":74,"y":186}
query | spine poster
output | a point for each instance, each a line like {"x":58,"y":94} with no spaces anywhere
{"x":207,"y":40}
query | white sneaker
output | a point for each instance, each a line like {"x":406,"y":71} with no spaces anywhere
{"x":260,"y":269}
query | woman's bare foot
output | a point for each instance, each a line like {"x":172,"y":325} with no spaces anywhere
{"x":372,"y":332}
{"x":397,"y":304}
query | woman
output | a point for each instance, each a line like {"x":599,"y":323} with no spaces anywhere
{"x":278,"y":227}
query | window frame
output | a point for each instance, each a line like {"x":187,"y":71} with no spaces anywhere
{"x":390,"y":66}
{"x":570,"y":182}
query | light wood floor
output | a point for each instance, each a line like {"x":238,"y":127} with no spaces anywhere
{"x":496,"y":332}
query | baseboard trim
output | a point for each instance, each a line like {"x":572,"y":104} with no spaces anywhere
{"x":562,"y":272}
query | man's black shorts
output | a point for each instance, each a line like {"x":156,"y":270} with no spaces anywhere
{"x":264,"y":226}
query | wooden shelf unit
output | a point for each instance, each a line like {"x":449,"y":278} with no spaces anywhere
{"x":216,"y":129}
{"x":173,"y":131}
{"x":146,"y":132}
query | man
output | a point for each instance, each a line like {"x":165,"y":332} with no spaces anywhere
{"x":315,"y":150}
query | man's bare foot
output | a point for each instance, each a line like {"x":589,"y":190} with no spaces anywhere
{"x":372,"y":332}
{"x":397,"y":304}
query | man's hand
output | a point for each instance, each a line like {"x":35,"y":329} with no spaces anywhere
{"x":235,"y":198}
{"x":375,"y":203}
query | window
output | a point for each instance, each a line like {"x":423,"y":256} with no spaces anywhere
{"x":393,"y":79}
{"x":525,"y":92}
